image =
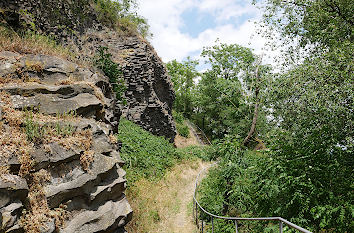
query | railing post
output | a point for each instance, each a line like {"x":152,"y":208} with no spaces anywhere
{"x":280,"y":226}
{"x":196,"y":215}
{"x":212,"y":224}
{"x":202,"y":226}
{"x":236,"y":226}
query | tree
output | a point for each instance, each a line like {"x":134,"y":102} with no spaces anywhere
{"x":228,"y":90}
{"x":183,"y":75}
{"x":312,"y":107}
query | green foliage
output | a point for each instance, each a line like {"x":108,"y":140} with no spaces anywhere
{"x":36,"y":131}
{"x":183,"y":75}
{"x":122,"y":15}
{"x":226,"y":93}
{"x":181,"y":126}
{"x":112,"y":71}
{"x":178,"y":117}
{"x":227,"y":61}
{"x":317,"y":23}
{"x":148,"y":156}
{"x":312,"y":110}
{"x":183,"y":130}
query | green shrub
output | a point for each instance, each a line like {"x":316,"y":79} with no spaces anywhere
{"x":183,"y":130}
{"x":149,"y":156}
{"x":122,"y":15}
{"x":181,"y":126}
{"x":255,"y":184}
{"x":146,"y":155}
{"x":178,"y":116}
{"x":112,"y":71}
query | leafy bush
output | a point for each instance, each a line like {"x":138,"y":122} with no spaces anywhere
{"x":183,"y":130}
{"x":178,"y":117}
{"x":149,"y":156}
{"x":122,"y":15}
{"x":146,"y":155}
{"x":112,"y":71}
{"x":181,"y":126}
{"x":256,"y":184}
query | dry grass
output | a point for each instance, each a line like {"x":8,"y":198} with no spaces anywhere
{"x":31,"y":44}
{"x":182,"y":142}
{"x":113,"y":139}
{"x":4,"y":170}
{"x":12,"y":139}
{"x":36,"y":219}
{"x":155,"y":203}
{"x":86,"y":159}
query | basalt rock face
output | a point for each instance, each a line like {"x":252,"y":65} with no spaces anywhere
{"x":71,"y":180}
{"x":76,"y":153}
{"x":149,"y":93}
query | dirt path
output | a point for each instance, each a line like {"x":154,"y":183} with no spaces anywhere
{"x":166,"y":206}
{"x":181,"y":221}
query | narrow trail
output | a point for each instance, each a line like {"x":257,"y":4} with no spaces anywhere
{"x":181,"y":221}
{"x":166,"y":206}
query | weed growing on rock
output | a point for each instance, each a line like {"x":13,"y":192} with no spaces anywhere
{"x":39,"y":215}
{"x":38,"y":131}
{"x":86,"y":159}
{"x":112,"y":71}
{"x":13,"y":140}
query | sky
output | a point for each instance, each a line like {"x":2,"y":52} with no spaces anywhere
{"x":181,"y":28}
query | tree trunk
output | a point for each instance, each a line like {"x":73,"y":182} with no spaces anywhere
{"x":255,"y":113}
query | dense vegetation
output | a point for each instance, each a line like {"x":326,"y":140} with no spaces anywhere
{"x":122,"y":15}
{"x":304,"y":115}
{"x":149,"y":156}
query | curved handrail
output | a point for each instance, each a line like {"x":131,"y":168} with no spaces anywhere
{"x":204,"y":135}
{"x":235,"y":219}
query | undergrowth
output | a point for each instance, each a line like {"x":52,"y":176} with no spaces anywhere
{"x":254,"y":184}
{"x":181,"y":126}
{"x":112,"y":71}
{"x":153,"y":166}
{"x":122,"y":16}
{"x":146,"y":155}
{"x":32,"y":43}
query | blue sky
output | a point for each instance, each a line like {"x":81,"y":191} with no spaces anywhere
{"x":182,"y":28}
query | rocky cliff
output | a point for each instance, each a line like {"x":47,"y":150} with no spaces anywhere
{"x":60,"y":168}
{"x":59,"y":157}
{"x":75,"y":24}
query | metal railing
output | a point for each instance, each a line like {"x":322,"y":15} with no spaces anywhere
{"x":197,"y":207}
{"x":193,"y":126}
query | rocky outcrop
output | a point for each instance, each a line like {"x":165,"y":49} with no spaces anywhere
{"x":74,"y":166}
{"x":149,"y":92}
{"x":60,"y":167}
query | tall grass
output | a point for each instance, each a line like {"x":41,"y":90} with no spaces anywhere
{"x":32,"y":43}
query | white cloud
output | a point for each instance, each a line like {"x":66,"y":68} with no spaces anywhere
{"x":164,"y":17}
